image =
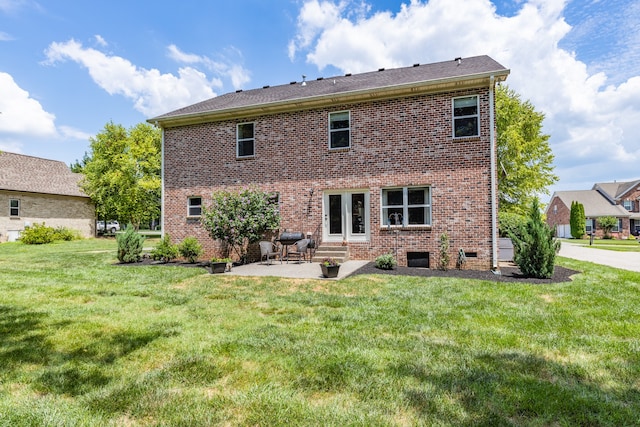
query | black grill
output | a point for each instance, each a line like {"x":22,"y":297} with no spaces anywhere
{"x":289,"y":238}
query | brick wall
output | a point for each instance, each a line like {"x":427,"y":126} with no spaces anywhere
{"x":75,"y":213}
{"x":399,"y":142}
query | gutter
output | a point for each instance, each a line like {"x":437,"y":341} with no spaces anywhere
{"x":328,"y":99}
{"x":494,"y":192}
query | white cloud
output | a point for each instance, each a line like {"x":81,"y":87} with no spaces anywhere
{"x":68,"y":132}
{"x":151,"y":92}
{"x":100,"y":40}
{"x":590,"y":119}
{"x":5,"y":37}
{"x":238,"y":75}
{"x":23,"y":118}
{"x":20,"y":113}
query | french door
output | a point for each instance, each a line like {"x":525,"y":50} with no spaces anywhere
{"x":346,"y":216}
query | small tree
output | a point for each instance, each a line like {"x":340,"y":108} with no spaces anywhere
{"x":129,"y":245}
{"x":577,"y":220}
{"x":443,"y":263}
{"x":535,"y":248}
{"x":240,"y":218}
{"x":607,"y":223}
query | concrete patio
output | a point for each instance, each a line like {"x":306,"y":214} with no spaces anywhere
{"x":300,"y":270}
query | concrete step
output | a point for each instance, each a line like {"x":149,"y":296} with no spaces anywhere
{"x":339,"y":253}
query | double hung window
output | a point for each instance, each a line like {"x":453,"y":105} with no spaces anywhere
{"x":14,"y":207}
{"x":466,"y":117}
{"x":628,"y":205}
{"x":194,"y":206}
{"x":245,"y":140}
{"x":339,"y":130}
{"x":406,"y":206}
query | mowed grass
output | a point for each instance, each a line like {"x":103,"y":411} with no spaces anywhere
{"x":84,"y":342}
{"x":622,"y":245}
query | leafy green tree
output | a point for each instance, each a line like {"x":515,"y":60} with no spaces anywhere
{"x":122,"y":173}
{"x":524,"y":154}
{"x":535,"y":247}
{"x":240,"y":218}
{"x":607,"y":223}
{"x":577,"y":220}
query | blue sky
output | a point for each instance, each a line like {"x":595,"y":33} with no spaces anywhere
{"x":69,"y":67}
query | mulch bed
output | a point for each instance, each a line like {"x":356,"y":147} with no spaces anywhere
{"x":507,"y":274}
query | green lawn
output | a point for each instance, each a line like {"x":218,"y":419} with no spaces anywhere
{"x":623,"y":245}
{"x":84,"y":343}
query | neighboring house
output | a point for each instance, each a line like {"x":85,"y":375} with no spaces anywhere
{"x":620,"y":200}
{"x":377,"y":161}
{"x":35,"y":190}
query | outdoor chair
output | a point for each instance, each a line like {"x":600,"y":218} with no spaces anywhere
{"x":268,"y":251}
{"x":300,"y":251}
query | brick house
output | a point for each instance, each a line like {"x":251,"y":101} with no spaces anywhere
{"x":382,"y":161}
{"x":620,"y":200}
{"x":35,"y":190}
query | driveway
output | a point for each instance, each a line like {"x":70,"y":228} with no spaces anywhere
{"x":624,"y":260}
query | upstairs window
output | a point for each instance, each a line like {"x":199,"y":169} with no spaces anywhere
{"x":339,"y":130}
{"x":245,"y":140}
{"x":406,"y":206}
{"x":194,"y":206}
{"x":628,"y":205}
{"x":14,"y":207}
{"x":465,"y":117}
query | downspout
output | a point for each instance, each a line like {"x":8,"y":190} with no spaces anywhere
{"x":161,"y":181}
{"x":494,"y":193}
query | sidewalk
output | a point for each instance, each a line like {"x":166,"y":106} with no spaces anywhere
{"x":624,"y":260}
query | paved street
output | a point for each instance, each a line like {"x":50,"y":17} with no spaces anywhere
{"x":623,"y":260}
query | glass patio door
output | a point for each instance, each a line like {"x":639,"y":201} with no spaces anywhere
{"x":346,"y":216}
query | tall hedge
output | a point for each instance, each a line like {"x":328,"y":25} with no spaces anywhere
{"x":577,"y":220}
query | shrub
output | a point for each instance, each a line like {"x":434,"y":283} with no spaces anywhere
{"x":510,"y":223}
{"x":607,"y":223}
{"x":190,"y":249}
{"x":129,"y":245}
{"x":165,"y":251}
{"x":386,"y":262}
{"x":66,"y":234}
{"x":38,"y":234}
{"x":443,"y":263}
{"x":535,"y":248}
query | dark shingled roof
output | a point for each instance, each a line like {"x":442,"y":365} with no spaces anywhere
{"x":322,"y":87}
{"x":36,"y":175}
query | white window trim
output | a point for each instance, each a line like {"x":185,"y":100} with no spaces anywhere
{"x":339,"y":130}
{"x":630,"y":203}
{"x":239,"y":140}
{"x":454,"y":117}
{"x":405,"y":207}
{"x":14,"y":207}
{"x":189,"y":206}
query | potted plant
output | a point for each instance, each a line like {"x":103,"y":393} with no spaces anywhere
{"x":330,"y":267}
{"x":218,"y":265}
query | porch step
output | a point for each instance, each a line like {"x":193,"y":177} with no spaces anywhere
{"x":339,"y":253}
